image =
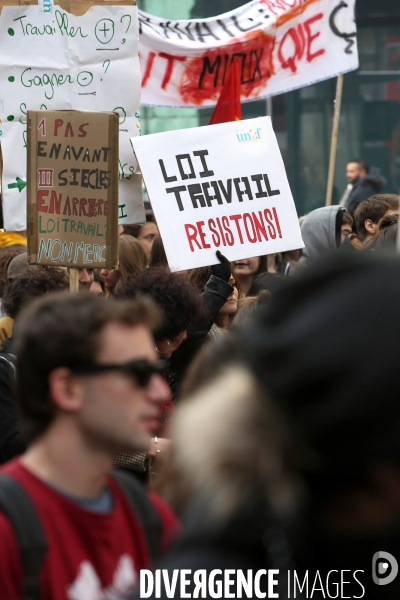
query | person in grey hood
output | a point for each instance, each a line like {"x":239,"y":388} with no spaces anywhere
{"x":323,"y":230}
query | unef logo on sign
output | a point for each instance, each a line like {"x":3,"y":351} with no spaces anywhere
{"x":249,"y":136}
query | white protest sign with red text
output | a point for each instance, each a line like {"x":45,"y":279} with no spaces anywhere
{"x":280,"y":45}
{"x":221,"y":187}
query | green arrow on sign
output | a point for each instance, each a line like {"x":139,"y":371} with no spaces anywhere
{"x":20,"y":184}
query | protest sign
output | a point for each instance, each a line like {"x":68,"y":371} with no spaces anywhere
{"x":281,"y":45}
{"x":73,"y":188}
{"x":221,"y":187}
{"x":57,"y":60}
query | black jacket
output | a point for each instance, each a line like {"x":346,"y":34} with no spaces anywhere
{"x":249,"y":540}
{"x":215,"y":295}
{"x":11,"y":443}
{"x":364,"y":188}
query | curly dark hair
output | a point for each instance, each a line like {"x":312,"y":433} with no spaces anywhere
{"x":36,"y":280}
{"x":180,"y":302}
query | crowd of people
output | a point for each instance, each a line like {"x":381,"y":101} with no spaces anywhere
{"x":241,"y":416}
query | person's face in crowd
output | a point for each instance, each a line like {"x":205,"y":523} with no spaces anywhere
{"x":230,"y":306}
{"x":353,"y":172}
{"x":116,"y":413}
{"x":166,"y":347}
{"x":344,"y":232}
{"x":246,"y":267}
{"x":110,"y":277}
{"x":146,"y":237}
{"x":85,"y":278}
{"x":96,"y":288}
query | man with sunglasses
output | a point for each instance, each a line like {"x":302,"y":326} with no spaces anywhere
{"x":88,"y":386}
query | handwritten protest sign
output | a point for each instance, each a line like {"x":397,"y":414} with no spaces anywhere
{"x":73,"y":188}
{"x":56,"y":60}
{"x":221,"y":187}
{"x":281,"y":45}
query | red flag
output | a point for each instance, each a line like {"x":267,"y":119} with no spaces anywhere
{"x":228,"y":107}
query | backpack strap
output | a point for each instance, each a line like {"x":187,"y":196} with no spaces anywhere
{"x":16,"y":505}
{"x":143,"y":508}
{"x":9,"y":359}
{"x":19,"y":509}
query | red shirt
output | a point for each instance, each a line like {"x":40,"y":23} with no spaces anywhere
{"x":90,"y":555}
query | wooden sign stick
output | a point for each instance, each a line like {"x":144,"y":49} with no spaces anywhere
{"x":73,"y":280}
{"x":335,"y":131}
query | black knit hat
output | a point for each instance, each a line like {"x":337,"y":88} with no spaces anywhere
{"x":328,"y":351}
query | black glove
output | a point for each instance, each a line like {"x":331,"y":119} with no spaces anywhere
{"x":223,"y":269}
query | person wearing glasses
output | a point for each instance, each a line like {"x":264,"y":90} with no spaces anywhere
{"x":89,"y":385}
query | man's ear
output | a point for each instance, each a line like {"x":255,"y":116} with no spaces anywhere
{"x":65,"y":390}
{"x":370,"y":226}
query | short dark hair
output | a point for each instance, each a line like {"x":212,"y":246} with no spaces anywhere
{"x":179,"y":301}
{"x":268,"y":281}
{"x":361,"y":164}
{"x":347,"y":219}
{"x":134,"y":230}
{"x":63,"y":330}
{"x":374,"y":208}
{"x":35,"y":281}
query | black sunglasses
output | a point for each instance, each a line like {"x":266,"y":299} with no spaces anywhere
{"x":140,"y":370}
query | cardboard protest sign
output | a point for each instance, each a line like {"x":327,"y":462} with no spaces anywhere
{"x":221,"y":187}
{"x":56,"y":60}
{"x":73,"y":188}
{"x":281,"y":45}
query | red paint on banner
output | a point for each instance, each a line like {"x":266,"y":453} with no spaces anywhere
{"x":204,"y":76}
{"x":170,"y":64}
{"x":297,"y":40}
{"x":276,"y":5}
{"x":293,"y":13}
{"x":292,"y":8}
{"x":149,"y":66}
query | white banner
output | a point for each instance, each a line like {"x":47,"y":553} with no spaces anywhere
{"x":281,"y":45}
{"x":54,"y":61}
{"x":221,"y":187}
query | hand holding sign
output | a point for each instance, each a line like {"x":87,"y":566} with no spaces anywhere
{"x":223,"y":270}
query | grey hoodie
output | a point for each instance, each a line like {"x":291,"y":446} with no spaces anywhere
{"x":319,"y":235}
{"x":319,"y":232}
